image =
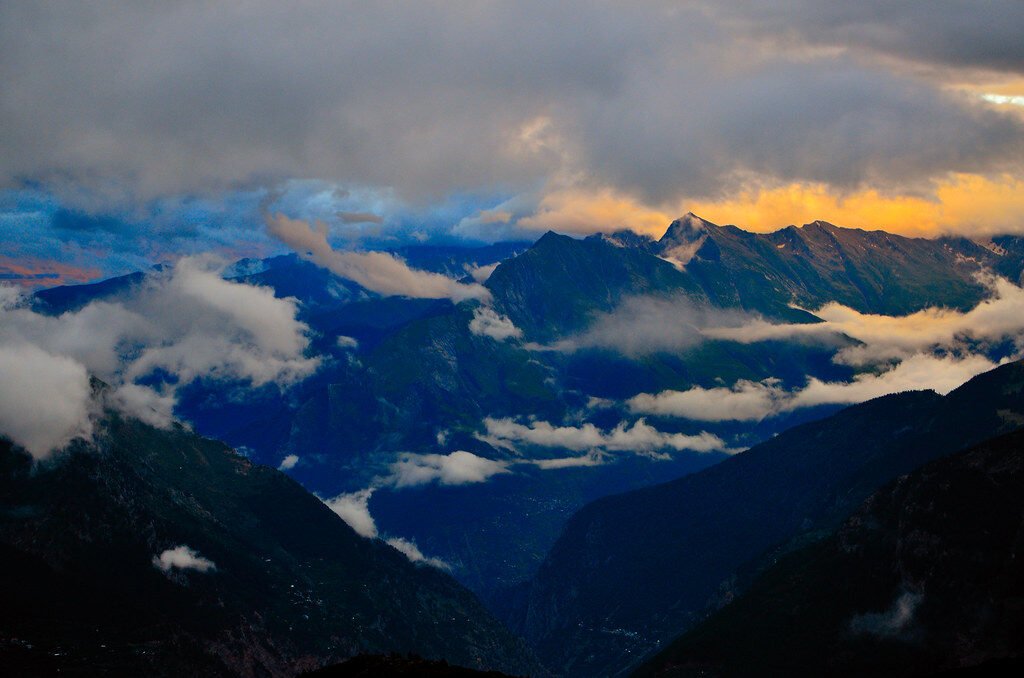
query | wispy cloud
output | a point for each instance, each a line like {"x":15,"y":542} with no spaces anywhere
{"x":648,"y":324}
{"x":288,"y":463}
{"x":410,"y":550}
{"x":379,"y":272}
{"x":892,"y":622}
{"x":743,"y":401}
{"x":886,"y":338}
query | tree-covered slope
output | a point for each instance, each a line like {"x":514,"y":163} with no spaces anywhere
{"x":258,"y":578}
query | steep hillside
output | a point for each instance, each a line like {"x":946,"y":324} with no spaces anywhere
{"x":162,"y":553}
{"x":925,"y":577}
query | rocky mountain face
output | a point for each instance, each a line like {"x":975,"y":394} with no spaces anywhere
{"x":818,"y":263}
{"x":162,"y":553}
{"x":925,"y":577}
{"x":629,"y":572}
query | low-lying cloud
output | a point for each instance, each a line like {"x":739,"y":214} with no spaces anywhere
{"x":885,"y":338}
{"x":182,"y":558}
{"x":379,"y":272}
{"x":44,"y":398}
{"x":288,"y":463}
{"x":354,"y":509}
{"x":410,"y":550}
{"x":643,"y":325}
{"x":487,"y":322}
{"x":743,"y":401}
{"x":592,"y":458}
{"x":185,"y":323}
{"x":754,"y":401}
{"x":457,"y":468}
{"x":639,"y":438}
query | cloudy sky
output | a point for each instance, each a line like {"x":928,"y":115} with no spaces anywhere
{"x":137,"y":132}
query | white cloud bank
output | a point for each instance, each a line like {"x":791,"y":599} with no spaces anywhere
{"x":187,"y":322}
{"x":887,"y":338}
{"x":753,"y":401}
{"x":182,"y":558}
{"x":379,"y":272}
{"x":640,"y":438}
{"x":936,"y":349}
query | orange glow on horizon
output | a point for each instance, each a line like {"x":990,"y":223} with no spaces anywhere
{"x":965,"y":204}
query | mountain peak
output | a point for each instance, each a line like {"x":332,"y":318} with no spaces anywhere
{"x":822,"y":225}
{"x":684,"y":237}
{"x":687,"y":228}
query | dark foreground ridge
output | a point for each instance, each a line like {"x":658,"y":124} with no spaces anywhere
{"x":285,"y":586}
{"x":388,"y":666}
{"x":925,"y":577}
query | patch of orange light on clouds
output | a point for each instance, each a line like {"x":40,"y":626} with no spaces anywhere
{"x":603,"y":210}
{"x":965,"y":204}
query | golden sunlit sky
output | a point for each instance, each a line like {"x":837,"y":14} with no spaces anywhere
{"x":136,"y":132}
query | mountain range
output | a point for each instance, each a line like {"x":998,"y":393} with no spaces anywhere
{"x":599,"y":554}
